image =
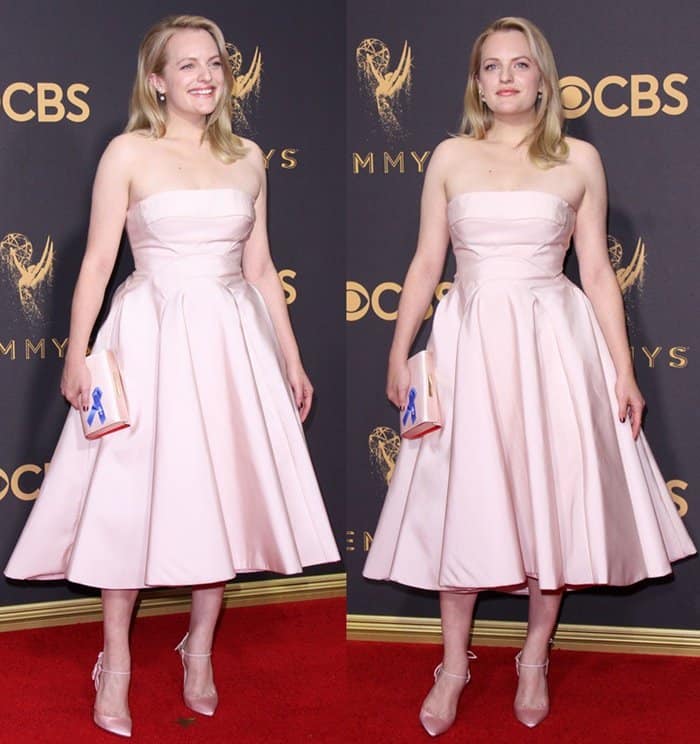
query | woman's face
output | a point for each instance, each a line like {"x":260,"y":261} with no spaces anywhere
{"x":508,"y":76}
{"x":192,"y":78}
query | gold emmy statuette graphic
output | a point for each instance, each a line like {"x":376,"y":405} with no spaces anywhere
{"x":633,"y":273}
{"x":384,"y":445}
{"x":16,"y":253}
{"x":381,"y":84}
{"x":245,"y":85}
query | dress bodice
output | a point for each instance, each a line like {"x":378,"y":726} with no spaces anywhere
{"x":509,"y":234}
{"x":190,"y":232}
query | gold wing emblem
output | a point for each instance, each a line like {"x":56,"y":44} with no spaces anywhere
{"x":384,"y":445}
{"x":33,"y":274}
{"x":16,"y":252}
{"x":244,"y":85}
{"x":392,"y":82}
{"x":628,"y":276}
{"x":381,"y":84}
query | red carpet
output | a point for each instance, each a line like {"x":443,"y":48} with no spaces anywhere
{"x":595,"y":697}
{"x":280,"y":671}
{"x":284,"y":675}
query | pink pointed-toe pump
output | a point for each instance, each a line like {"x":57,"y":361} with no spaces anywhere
{"x":531,"y":716}
{"x":204,"y":704}
{"x":120,"y":725}
{"x":436,"y":725}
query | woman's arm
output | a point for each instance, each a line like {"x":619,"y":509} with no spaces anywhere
{"x":110,"y":197}
{"x":600,"y":283}
{"x":423,"y":273}
{"x":260,"y":271}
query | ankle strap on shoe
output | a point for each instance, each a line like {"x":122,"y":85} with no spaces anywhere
{"x":181,"y":648}
{"x":465,"y":677}
{"x":519,"y":664}
{"x":99,"y":670}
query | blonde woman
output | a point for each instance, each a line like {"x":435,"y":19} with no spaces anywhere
{"x":212,"y":478}
{"x":540,"y":479}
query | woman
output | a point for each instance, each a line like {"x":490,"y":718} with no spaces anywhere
{"x":212,"y":478}
{"x":540,"y":479}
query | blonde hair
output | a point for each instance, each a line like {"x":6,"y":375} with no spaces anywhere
{"x":547,"y":146}
{"x":146,"y":112}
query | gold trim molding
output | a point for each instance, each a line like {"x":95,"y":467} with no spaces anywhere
{"x":678,"y":642}
{"x":167,"y":601}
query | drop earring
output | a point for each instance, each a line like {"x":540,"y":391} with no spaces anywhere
{"x":161,"y":96}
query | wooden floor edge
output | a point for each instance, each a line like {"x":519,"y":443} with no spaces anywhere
{"x":618,"y":639}
{"x":167,"y":601}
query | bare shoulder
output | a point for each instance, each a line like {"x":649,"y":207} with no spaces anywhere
{"x":254,"y":154}
{"x":583,"y":155}
{"x":448,"y":151}
{"x":128,"y":144}
{"x":586,"y":161}
{"x":125,"y":152}
{"x":122,"y":156}
{"x":455,"y":147}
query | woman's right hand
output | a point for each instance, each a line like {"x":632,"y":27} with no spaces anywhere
{"x":75,"y":382}
{"x":397,"y":381}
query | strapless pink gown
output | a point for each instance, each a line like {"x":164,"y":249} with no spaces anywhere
{"x":213,"y":477}
{"x":532,"y":474}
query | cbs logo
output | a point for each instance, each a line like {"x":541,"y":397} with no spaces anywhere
{"x":20,"y":481}
{"x":383,"y":300}
{"x":614,"y":95}
{"x":47,"y":102}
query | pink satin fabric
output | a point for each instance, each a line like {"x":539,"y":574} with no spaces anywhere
{"x":213,"y":477}
{"x":532,"y":473}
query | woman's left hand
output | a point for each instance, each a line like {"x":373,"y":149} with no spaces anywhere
{"x":630,"y":401}
{"x":301,"y":387}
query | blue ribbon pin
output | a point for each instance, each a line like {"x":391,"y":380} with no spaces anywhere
{"x":97,"y":407}
{"x":410,"y":407}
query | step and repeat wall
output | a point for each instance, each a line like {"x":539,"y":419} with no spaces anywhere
{"x":65,"y":84}
{"x":629,"y":78}
{"x":391,"y":92}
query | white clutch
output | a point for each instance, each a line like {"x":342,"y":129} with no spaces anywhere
{"x":421,"y":414}
{"x":108,"y":409}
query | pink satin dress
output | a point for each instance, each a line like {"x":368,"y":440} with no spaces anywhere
{"x":533,"y":474}
{"x":213,"y":477}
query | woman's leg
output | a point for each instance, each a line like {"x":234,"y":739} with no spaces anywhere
{"x":117,"y":609}
{"x":206,"y":606}
{"x":456,"y":611}
{"x":542,"y":616}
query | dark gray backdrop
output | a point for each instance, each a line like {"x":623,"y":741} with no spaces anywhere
{"x":651,"y":163}
{"x":46,"y":171}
